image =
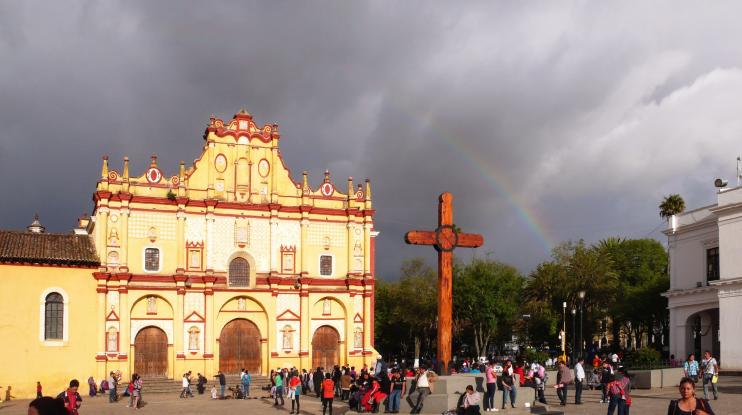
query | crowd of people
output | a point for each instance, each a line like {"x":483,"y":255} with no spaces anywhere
{"x":382,"y":386}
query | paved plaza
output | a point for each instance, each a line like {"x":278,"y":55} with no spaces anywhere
{"x":644,"y":402}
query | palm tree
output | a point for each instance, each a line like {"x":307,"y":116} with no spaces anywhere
{"x":671,"y":205}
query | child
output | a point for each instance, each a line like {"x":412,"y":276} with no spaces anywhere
{"x":8,"y":396}
{"x":38,"y":390}
{"x":213,"y":392}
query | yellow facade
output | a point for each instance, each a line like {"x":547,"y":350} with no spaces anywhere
{"x":232,"y":238}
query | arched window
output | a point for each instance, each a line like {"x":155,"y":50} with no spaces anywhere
{"x":239,"y":273}
{"x":54,"y":317}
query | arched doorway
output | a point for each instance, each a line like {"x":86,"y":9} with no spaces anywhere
{"x":325,"y":347}
{"x":150,"y":352}
{"x":239,"y":347}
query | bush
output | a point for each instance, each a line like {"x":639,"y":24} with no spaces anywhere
{"x":531,"y":355}
{"x":646,"y":356}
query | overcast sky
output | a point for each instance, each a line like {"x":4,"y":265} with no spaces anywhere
{"x":548,"y":121}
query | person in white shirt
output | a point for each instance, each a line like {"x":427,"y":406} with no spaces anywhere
{"x":186,"y":387}
{"x":579,"y":380}
{"x":470,"y":402}
{"x":710,"y":372}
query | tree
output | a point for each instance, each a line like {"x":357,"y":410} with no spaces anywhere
{"x":486,"y":297}
{"x":671,"y":205}
{"x":405,"y":311}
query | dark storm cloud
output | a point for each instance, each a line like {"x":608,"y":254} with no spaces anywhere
{"x":580,"y":115}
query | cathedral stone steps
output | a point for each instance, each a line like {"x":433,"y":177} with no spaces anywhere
{"x":164,"y":385}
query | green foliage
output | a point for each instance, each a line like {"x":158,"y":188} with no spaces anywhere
{"x":486,"y":296}
{"x":644,"y":357}
{"x":671,"y":205}
{"x":530,"y":355}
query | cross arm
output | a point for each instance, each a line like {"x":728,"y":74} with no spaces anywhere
{"x":420,"y":238}
{"x":470,"y":240}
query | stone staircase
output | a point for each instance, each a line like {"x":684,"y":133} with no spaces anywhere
{"x":174,"y":386}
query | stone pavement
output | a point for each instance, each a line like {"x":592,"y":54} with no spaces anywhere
{"x":652,"y":402}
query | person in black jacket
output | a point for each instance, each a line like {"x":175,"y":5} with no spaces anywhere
{"x":317,"y":380}
{"x":222,"y":382}
{"x":606,"y":377}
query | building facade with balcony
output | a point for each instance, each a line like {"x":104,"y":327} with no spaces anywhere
{"x":705,"y":296}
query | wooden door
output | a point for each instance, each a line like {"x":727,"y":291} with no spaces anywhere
{"x":325,"y":345}
{"x":150,"y":352}
{"x":239,"y":347}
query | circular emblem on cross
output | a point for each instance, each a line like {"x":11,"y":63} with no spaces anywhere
{"x":327,"y":189}
{"x":446,"y":238}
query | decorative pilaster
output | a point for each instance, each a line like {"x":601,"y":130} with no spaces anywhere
{"x":124,"y":324}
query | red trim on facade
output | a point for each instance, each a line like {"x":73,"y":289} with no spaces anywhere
{"x":101,"y":290}
{"x":123,"y":357}
{"x":32,"y":264}
{"x":112,"y":316}
{"x":289,"y":316}
{"x":274,"y":354}
{"x":199,"y":318}
{"x":208,"y":355}
{"x":101,"y":358}
{"x":180,"y":355}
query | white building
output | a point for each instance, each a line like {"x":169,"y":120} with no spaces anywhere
{"x":705,"y":297}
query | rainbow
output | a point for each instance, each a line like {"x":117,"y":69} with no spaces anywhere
{"x":497,"y":180}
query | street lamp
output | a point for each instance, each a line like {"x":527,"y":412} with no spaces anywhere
{"x":564,"y":329}
{"x":581,"y":296}
{"x":574,"y":337}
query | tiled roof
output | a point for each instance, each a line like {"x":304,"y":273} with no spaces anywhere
{"x":47,"y":248}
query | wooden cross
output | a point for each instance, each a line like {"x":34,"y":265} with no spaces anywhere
{"x":445,"y":239}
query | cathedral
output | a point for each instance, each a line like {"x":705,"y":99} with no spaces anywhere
{"x":228,"y":263}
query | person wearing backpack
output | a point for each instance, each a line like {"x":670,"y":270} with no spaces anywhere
{"x":688,"y":404}
{"x":327,"y":390}
{"x":72,"y":399}
{"x":619,"y":393}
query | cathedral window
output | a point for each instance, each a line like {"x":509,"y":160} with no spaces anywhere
{"x":288,"y":337}
{"x":239,"y":273}
{"x":194,"y":259}
{"x":193,"y":338}
{"x":112,"y":340}
{"x":54,"y":317}
{"x":151,"y":259}
{"x":325,"y":265}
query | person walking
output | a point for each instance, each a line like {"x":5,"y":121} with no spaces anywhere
{"x":710,"y":375}
{"x":38,"y":390}
{"x":688,"y":404}
{"x":185,"y":385}
{"x":294,"y":391}
{"x":579,"y":380}
{"x":690,"y":367}
{"x":489,"y":395}
{"x":606,"y":377}
{"x":328,"y":392}
{"x":72,"y":399}
{"x":619,"y":393}
{"x":278,"y":378}
{"x":112,"y":387}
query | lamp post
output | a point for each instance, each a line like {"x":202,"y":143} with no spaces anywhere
{"x":581,"y":296}
{"x":574,"y":335}
{"x":564,"y":330}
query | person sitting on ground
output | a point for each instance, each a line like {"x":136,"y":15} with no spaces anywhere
{"x":688,"y":404}
{"x":469,"y":402}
